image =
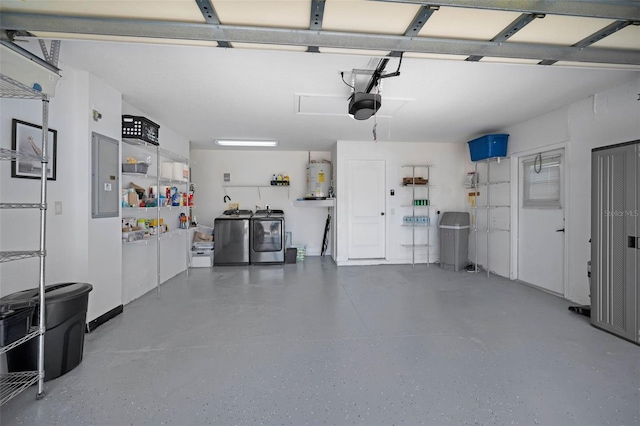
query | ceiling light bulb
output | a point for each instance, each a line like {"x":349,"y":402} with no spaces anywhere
{"x":237,"y":142}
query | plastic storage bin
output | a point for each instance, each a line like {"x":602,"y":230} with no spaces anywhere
{"x":129,"y":235}
{"x":202,"y":258}
{"x":15,"y":321}
{"x":66,"y":317}
{"x":301,"y":252}
{"x":454,"y":240}
{"x":488,"y":146}
{"x":140,"y":128}
{"x":135,"y":168}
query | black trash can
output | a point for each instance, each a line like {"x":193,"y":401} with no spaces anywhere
{"x":65,"y":321}
{"x":15,"y":321}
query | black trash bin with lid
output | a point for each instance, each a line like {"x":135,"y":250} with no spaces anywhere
{"x":65,"y":321}
{"x":15,"y":321}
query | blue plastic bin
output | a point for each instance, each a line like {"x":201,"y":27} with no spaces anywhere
{"x":488,"y":146}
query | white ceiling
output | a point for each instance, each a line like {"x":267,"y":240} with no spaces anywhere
{"x":204,"y":92}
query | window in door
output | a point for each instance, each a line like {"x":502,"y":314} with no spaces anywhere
{"x":542,"y":187}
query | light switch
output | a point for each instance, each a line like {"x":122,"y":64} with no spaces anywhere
{"x":57,"y":208}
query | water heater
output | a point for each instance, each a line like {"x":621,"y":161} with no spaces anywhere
{"x":318,"y":179}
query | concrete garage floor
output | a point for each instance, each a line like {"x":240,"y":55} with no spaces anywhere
{"x":313,"y":344}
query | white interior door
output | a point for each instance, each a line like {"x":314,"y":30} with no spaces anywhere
{"x":541,"y":220}
{"x":366,"y":209}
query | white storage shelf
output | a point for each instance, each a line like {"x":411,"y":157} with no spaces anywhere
{"x":160,"y":179}
{"x":153,"y":238}
{"x":329,"y":202}
{"x":167,"y":243}
{"x":491,"y":211}
{"x":145,"y":209}
{"x":25,"y":69}
{"x":419,"y":192}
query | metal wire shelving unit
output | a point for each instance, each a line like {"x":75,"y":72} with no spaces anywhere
{"x":488,"y":207}
{"x":12,"y":384}
{"x":415,"y":208}
{"x":158,"y":179}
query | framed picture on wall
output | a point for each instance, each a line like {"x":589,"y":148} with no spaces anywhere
{"x":26,"y":139}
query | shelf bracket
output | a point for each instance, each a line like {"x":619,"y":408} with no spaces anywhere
{"x":52,"y":55}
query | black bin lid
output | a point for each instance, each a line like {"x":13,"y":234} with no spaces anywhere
{"x":53,"y":293}
{"x":8,"y":309}
{"x":62,"y":301}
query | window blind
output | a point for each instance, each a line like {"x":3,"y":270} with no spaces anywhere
{"x":542,"y":183}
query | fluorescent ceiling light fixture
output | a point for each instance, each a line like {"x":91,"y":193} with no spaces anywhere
{"x":236,"y":142}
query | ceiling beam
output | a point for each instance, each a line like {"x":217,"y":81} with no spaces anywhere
{"x":211,"y":17}
{"x":296,"y":37}
{"x":315,"y":21}
{"x":518,"y":24}
{"x":607,"y":9}
{"x":317,"y":14}
{"x":605,"y":32}
{"x":420,"y":19}
{"x":595,"y":37}
{"x":208,"y":12}
{"x":416,"y":25}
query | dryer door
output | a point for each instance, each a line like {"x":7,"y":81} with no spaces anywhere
{"x":268,"y":235}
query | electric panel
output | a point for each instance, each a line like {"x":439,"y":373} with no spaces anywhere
{"x":105,"y":176}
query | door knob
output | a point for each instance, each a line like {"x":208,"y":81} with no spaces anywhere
{"x":560,"y":230}
{"x":381,"y":213}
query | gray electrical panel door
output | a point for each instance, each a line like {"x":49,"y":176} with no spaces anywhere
{"x":615,"y":233}
{"x":105,"y":183}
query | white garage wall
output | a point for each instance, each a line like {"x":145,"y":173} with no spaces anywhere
{"x":19,"y":229}
{"x":447,"y":194}
{"x":103,"y":241}
{"x":603,"y":119}
{"x":79,"y":249}
{"x":256,"y":168}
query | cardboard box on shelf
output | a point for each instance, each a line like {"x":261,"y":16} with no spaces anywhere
{"x":201,"y":237}
{"x":415,"y":181}
{"x":132,"y":199}
{"x":129,"y":222}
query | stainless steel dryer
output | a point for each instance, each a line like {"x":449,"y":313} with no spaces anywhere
{"x":231,"y":234}
{"x":267,"y":237}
